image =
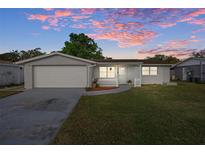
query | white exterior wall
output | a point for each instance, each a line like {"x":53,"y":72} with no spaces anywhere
{"x":163,"y":76}
{"x":133,"y":72}
{"x":55,"y":60}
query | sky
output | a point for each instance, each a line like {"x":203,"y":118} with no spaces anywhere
{"x":121,"y":33}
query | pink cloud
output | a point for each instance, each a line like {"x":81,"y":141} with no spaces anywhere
{"x":45,"y":27}
{"x":62,"y":13}
{"x":125,"y":12}
{"x":87,"y":11}
{"x":126,"y":39}
{"x":197,"y":21}
{"x":177,"y":48}
{"x":193,"y":37}
{"x":198,"y":30}
{"x":177,"y":43}
{"x":180,"y":43}
{"x":196,"y":13}
{"x":128,"y":26}
{"x":179,"y":53}
{"x":53,"y":22}
{"x":190,"y":17}
{"x":77,"y":17}
{"x":99,"y":24}
{"x":80,"y":26}
{"x":166,"y":25}
{"x":40,"y":17}
{"x":185,"y":19}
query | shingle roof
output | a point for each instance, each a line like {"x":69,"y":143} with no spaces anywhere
{"x":195,"y":58}
{"x":144,"y":61}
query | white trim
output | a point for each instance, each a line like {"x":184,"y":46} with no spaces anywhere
{"x":52,"y":54}
{"x":10,"y":65}
{"x":170,"y":65}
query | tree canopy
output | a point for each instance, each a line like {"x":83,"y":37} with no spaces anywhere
{"x":199,"y":54}
{"x":16,"y":55}
{"x":80,"y":45}
{"x":164,"y":58}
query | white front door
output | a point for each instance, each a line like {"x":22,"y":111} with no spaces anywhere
{"x":122,"y":75}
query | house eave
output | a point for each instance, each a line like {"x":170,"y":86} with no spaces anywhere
{"x":53,"y":54}
{"x":119,"y":63}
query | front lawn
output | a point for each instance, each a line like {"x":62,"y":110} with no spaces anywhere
{"x":152,"y":114}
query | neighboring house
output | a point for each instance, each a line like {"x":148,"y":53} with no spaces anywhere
{"x":10,"y":74}
{"x":59,"y":70}
{"x":191,"y":69}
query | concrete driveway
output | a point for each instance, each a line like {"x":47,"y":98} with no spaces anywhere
{"x":35,"y":116}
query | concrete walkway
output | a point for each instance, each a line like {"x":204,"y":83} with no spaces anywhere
{"x":120,"y":89}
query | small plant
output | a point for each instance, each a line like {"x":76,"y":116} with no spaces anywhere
{"x":94,"y":83}
{"x":129,"y":82}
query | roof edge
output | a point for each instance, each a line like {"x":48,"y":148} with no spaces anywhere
{"x":195,"y":58}
{"x":52,"y":54}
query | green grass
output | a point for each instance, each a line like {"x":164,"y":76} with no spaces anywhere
{"x":151,"y":114}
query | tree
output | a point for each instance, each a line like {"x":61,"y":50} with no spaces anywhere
{"x":163,"y":58}
{"x":16,"y":55}
{"x":12,"y":56}
{"x":30,"y":53}
{"x":80,"y":45}
{"x":199,"y":54}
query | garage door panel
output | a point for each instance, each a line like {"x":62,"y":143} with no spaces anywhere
{"x":60,"y":76}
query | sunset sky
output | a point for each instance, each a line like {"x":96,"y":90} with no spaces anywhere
{"x":121,"y":33}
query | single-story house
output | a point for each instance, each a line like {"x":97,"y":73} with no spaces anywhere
{"x":191,"y":69}
{"x":10,"y":74}
{"x":57,"y":70}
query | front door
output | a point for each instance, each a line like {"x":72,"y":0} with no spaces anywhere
{"x":122,"y":75}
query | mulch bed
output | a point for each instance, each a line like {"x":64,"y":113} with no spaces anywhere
{"x":100,"y":88}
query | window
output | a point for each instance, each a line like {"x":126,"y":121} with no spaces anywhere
{"x":153,"y":70}
{"x":107,"y":72}
{"x":145,"y":70}
{"x":149,"y":70}
{"x":103,"y":72}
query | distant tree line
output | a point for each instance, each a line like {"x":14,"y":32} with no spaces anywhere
{"x":81,"y":45}
{"x":164,"y":58}
{"x":16,"y":55}
{"x":200,"y":54}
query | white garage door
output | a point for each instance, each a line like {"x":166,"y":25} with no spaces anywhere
{"x":60,"y":76}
